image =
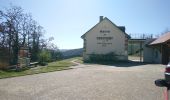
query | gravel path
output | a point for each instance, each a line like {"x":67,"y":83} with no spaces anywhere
{"x":87,"y":82}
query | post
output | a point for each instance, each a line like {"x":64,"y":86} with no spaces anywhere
{"x":140,"y":51}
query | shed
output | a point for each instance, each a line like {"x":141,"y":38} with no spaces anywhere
{"x":159,"y":49}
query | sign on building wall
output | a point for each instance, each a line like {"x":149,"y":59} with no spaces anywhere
{"x":104,"y":40}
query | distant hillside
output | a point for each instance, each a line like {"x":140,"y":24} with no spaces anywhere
{"x":72,"y":53}
{"x":63,"y":50}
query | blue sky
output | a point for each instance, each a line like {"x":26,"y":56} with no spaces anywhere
{"x":67,"y":20}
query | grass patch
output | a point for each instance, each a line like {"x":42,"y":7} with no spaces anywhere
{"x":79,"y":60}
{"x":53,"y":66}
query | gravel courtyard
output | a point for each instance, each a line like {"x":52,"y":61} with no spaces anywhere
{"x":88,"y":82}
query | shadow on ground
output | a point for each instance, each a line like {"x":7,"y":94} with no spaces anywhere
{"x":120,"y":63}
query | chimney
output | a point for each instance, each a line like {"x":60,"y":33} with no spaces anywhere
{"x":100,"y":18}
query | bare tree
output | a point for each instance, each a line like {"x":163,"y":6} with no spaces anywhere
{"x":18,"y":29}
{"x":165,"y":31}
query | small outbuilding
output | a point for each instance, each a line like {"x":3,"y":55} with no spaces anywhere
{"x":158,"y":50}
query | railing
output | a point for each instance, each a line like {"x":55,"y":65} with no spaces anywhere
{"x":141,"y":35}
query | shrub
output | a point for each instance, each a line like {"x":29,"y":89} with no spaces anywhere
{"x":103,"y":57}
{"x":44,"y":56}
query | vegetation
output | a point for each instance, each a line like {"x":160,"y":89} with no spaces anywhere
{"x":103,"y":57}
{"x":79,"y":60}
{"x":18,"y":29}
{"x":44,"y":57}
{"x":134,"y":49}
{"x":54,"y":66}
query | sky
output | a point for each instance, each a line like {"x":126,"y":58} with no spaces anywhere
{"x":68,"y":20}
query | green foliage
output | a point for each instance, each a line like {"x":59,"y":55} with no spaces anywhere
{"x":19,"y":29}
{"x":134,"y":49}
{"x":44,"y":56}
{"x":55,"y":55}
{"x":103,"y":57}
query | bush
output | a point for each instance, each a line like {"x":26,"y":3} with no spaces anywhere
{"x":44,"y":56}
{"x":103,"y":57}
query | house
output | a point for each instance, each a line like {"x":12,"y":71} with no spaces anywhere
{"x":158,"y":50}
{"x":105,"y":38}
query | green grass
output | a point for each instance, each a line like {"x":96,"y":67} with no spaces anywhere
{"x":53,"y":66}
{"x":79,"y":60}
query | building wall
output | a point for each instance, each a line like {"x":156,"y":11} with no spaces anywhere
{"x":105,"y":38}
{"x":152,"y":54}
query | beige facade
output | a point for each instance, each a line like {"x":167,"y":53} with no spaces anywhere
{"x":151,"y":54}
{"x":105,"y":37}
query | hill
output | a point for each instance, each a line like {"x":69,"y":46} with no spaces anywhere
{"x":72,"y":52}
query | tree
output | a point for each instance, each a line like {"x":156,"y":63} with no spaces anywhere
{"x":11,"y":28}
{"x":36,"y":37}
{"x":44,"y":56}
{"x":19,"y":29}
{"x":165,"y":31}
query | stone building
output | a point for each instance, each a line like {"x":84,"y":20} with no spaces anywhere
{"x":106,"y":38}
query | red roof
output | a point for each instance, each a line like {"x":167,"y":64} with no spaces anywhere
{"x":164,"y":38}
